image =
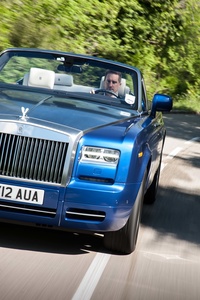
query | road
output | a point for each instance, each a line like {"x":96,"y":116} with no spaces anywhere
{"x":42,"y":264}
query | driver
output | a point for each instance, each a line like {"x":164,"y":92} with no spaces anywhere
{"x":112,"y":81}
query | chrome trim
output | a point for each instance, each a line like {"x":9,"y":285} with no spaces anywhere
{"x":54,"y":134}
{"x":32,"y":158}
{"x":37,"y":130}
{"x":85,"y":214}
{"x":23,"y":209}
{"x":24,"y":112}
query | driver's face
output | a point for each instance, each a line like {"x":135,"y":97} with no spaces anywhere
{"x":112,"y":82}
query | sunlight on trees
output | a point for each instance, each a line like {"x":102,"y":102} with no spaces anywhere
{"x":160,"y":37}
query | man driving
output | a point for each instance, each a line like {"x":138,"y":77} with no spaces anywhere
{"x":112,"y":81}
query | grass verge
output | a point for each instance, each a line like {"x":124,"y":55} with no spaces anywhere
{"x":187,"y":104}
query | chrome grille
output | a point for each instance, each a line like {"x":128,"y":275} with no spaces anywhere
{"x":31,"y":158}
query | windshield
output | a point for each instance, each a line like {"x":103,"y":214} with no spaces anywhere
{"x":70,"y":73}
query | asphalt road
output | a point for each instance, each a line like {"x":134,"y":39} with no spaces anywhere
{"x":38,"y":264}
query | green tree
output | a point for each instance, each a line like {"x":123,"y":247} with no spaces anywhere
{"x":161,"y":37}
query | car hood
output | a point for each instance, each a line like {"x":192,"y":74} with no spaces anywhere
{"x":57,"y":111}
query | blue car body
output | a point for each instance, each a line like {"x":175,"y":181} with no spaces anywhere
{"x":74,"y":160}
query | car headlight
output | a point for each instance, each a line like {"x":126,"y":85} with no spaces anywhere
{"x":101,"y":155}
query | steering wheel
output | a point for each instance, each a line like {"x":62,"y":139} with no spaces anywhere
{"x":106,"y":92}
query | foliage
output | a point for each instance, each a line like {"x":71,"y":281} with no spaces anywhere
{"x":188,"y":102}
{"x":161,"y":37}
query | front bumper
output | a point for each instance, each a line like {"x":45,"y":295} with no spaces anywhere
{"x":81,"y":207}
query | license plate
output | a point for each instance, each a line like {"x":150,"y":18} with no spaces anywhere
{"x":21,"y":194}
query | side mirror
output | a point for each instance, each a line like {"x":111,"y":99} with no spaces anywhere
{"x":161,"y":102}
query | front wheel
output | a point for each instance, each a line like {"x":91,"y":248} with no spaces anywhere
{"x":125,"y":239}
{"x":151,"y":193}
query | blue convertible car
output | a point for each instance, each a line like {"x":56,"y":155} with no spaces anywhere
{"x":80,"y":144}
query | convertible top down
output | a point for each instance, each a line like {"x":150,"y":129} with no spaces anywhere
{"x":75,"y":155}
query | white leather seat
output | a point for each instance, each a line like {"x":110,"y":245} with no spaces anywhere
{"x":25,"y":79}
{"x":63,"y":80}
{"x":39,"y":78}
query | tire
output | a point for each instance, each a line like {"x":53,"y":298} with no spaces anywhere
{"x":125,"y":239}
{"x":151,"y":193}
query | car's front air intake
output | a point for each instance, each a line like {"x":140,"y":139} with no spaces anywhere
{"x":85,"y":215}
{"x":31,"y":158}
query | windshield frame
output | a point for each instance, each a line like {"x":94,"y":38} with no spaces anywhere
{"x":71,"y":60}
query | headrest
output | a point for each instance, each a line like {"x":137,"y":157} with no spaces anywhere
{"x":41,"y":78}
{"x":63,"y":79}
{"x":25,"y":79}
{"x":122,"y":89}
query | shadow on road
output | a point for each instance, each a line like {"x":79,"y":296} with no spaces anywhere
{"x":175,"y":213}
{"x":47,"y":240}
{"x":182,"y":126}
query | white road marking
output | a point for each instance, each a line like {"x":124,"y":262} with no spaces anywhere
{"x":195,"y":139}
{"x":92,"y":276}
{"x":152,"y":255}
{"x":173,"y":153}
{"x":170,"y":156}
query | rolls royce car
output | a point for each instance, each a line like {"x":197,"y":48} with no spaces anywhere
{"x":76,"y":153}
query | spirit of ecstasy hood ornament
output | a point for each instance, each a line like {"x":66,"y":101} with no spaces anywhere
{"x":24,"y":112}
